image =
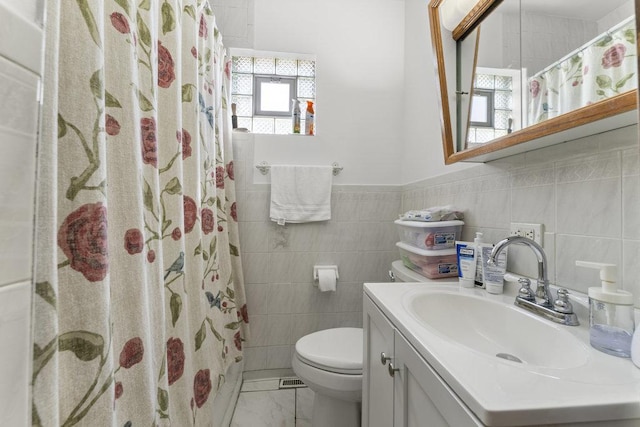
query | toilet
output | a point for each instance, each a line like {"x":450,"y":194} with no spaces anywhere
{"x":400,"y":273}
{"x":329,"y":362}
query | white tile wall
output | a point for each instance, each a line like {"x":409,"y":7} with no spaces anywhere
{"x":31,"y":10}
{"x":20,"y":68}
{"x":15,"y":360}
{"x":18,"y":138}
{"x":284,"y":305}
{"x":20,"y":35}
{"x":546,"y":38}
{"x":235,"y":21}
{"x":586,"y":193}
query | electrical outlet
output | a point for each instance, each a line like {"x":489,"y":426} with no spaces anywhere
{"x":530,"y":231}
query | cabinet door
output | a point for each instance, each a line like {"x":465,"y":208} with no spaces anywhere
{"x":421,"y":397}
{"x":377,"y":384}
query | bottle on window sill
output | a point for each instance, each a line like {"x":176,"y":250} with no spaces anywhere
{"x":309,"y":128}
{"x":296,"y":116}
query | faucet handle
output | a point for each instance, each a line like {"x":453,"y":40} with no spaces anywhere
{"x":525,"y":291}
{"x":562,"y":304}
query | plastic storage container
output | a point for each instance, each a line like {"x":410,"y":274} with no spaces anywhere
{"x":431,"y":264}
{"x":430,"y":235}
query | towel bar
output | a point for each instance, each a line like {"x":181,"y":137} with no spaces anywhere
{"x":264,"y":168}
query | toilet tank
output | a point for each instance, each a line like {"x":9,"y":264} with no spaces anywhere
{"x":400,"y":273}
{"x":404,"y":274}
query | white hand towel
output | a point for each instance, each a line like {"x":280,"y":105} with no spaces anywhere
{"x":300,"y":193}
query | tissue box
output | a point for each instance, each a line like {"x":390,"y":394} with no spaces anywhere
{"x":430,"y":235}
{"x":431,"y":264}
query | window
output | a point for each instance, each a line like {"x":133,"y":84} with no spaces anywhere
{"x":274,"y":95}
{"x":495,"y":105}
{"x":263,"y":88}
{"x":482,"y":108}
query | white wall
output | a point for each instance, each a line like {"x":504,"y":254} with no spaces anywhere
{"x":359,"y":66}
{"x":377,"y":106}
{"x":616,"y":16}
{"x":234,"y":19}
{"x":422,"y":147}
{"x":20,"y":62}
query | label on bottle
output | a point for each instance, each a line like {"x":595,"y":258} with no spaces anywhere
{"x":308,"y":125}
{"x":296,"y":122}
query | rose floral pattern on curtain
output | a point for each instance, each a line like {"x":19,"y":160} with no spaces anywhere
{"x":599,"y":70}
{"x":139,"y":305}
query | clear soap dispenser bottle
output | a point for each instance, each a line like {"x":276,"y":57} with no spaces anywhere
{"x":610,"y":313}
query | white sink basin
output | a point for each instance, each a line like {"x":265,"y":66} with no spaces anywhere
{"x":560,"y":379}
{"x":497,"y":330}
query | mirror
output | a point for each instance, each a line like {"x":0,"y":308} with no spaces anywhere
{"x":517,"y":75}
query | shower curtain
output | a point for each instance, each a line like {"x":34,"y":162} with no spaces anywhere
{"x":139,"y":305}
{"x":601,"y":69}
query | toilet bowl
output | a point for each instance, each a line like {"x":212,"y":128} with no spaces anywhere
{"x":329,"y":362}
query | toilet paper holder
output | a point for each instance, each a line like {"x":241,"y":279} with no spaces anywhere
{"x":317,"y":268}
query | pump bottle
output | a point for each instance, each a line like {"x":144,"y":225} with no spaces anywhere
{"x":611,"y":318}
{"x":635,"y":348}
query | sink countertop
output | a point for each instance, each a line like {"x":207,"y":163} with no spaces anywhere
{"x":505,"y":393}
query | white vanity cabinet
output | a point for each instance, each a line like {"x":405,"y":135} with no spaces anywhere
{"x":405,"y":390}
{"x":377,"y":384}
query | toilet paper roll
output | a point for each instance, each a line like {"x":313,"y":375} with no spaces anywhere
{"x":326,"y":280}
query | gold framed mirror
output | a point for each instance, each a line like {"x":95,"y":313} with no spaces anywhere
{"x":456,"y":60}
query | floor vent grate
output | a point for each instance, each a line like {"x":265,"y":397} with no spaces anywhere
{"x":292,"y":382}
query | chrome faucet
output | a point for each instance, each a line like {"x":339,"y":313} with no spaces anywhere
{"x":541,"y":303}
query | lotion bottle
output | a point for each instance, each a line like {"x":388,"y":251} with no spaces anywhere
{"x":467,"y":257}
{"x":493,"y":275}
{"x":611,"y":318}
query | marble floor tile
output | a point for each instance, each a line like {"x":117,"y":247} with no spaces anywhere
{"x":265,"y":409}
{"x":260,"y":385}
{"x":304,"y":406}
{"x":262,"y":404}
{"x":303,"y":423}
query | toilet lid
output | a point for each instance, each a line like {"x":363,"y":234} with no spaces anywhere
{"x":338,"y":350}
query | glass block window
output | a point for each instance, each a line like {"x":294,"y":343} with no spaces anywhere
{"x":501,"y":121}
{"x":258,"y":84}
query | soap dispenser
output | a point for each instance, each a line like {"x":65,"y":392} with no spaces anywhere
{"x":635,"y":348}
{"x":610,"y":313}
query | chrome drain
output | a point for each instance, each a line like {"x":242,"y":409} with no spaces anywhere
{"x":508,"y":356}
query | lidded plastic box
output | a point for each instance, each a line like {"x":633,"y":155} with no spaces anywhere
{"x":432,"y":264}
{"x":430,"y":235}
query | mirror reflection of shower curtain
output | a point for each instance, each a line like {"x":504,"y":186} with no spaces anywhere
{"x":602,"y":68}
{"x":139,"y":305}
